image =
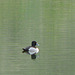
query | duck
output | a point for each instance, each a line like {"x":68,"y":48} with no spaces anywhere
{"x":31,"y":50}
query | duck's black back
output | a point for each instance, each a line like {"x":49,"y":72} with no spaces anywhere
{"x":26,"y":49}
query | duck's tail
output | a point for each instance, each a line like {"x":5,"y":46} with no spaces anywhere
{"x":23,"y":50}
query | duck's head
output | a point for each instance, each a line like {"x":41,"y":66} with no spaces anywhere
{"x":34,"y":43}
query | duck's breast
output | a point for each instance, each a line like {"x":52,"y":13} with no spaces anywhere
{"x":37,"y":50}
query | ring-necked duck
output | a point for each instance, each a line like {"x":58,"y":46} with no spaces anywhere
{"x":31,"y":50}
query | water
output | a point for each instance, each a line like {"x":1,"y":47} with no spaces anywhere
{"x":50,"y":23}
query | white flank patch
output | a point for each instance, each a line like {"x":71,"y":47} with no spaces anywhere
{"x":33,"y":50}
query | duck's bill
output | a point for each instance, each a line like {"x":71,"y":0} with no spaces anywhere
{"x":37,"y":44}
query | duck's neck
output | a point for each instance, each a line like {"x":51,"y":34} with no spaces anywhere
{"x":33,"y":45}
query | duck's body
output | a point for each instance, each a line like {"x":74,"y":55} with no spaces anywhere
{"x":31,"y":50}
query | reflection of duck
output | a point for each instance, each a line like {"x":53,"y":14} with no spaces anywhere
{"x":32,"y":50}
